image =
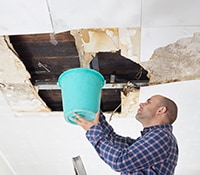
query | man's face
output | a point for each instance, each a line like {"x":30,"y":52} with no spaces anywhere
{"x":147,"y":110}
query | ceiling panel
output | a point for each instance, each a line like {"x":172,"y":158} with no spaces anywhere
{"x":24,"y":17}
{"x":76,"y":14}
{"x":157,"y":13}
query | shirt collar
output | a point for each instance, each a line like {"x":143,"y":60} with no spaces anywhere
{"x":150,"y":128}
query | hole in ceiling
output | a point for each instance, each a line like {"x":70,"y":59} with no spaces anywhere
{"x":45,"y":62}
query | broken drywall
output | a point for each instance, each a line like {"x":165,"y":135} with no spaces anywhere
{"x":175,"y":62}
{"x":14,"y":81}
{"x":22,"y":97}
{"x":130,"y":40}
{"x":91,"y":41}
{"x":84,"y":57}
{"x":12,"y":70}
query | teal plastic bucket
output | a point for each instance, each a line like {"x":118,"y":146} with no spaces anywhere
{"x":81,"y":92}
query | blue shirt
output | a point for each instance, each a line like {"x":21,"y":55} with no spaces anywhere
{"x":155,"y":152}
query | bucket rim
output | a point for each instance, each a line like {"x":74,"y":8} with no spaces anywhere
{"x":69,"y":115}
{"x":81,"y":70}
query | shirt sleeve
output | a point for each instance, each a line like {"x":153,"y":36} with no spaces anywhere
{"x":144,"y":152}
{"x":111,"y":136}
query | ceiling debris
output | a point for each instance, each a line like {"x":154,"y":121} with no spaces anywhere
{"x":129,"y":99}
{"x":15,"y":84}
{"x":178,"y":61}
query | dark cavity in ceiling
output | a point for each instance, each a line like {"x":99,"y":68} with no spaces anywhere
{"x":46,"y":61}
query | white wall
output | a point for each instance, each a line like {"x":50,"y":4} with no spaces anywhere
{"x":42,"y":143}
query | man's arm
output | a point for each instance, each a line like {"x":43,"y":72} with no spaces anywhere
{"x":106,"y":128}
{"x":145,"y":152}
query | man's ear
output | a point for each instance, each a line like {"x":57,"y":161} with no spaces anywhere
{"x":162,"y":110}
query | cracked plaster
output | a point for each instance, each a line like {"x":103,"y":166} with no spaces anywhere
{"x":14,"y":82}
{"x":178,"y":61}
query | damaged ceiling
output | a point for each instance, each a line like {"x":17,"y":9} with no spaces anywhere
{"x":45,"y":61}
{"x":36,"y":63}
{"x":153,"y":49}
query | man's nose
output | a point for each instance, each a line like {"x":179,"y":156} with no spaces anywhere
{"x":142,"y":104}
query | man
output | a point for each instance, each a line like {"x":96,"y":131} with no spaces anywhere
{"x":155,"y":152}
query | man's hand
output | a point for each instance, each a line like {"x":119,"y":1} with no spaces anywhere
{"x":86,"y":124}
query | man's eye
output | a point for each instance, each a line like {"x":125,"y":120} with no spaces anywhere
{"x":149,"y":101}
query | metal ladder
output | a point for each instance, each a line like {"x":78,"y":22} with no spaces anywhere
{"x":78,"y":166}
